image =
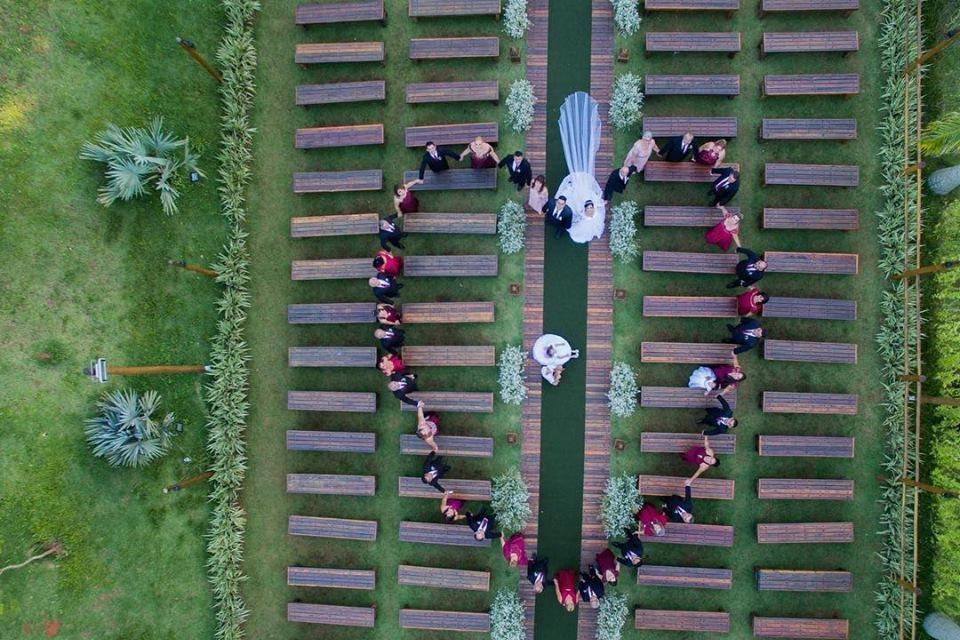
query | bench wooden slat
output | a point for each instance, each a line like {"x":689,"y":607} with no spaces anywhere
{"x":691,"y":5}
{"x":811,"y":308}
{"x":813,"y":219}
{"x":440,"y":8}
{"x":456,"y":535}
{"x":462,"y":446}
{"x":810,"y":41}
{"x":657,"y":442}
{"x":444,"y":620}
{"x":801,"y":351}
{"x":694,"y":621}
{"x":705,"y":488}
{"x":808,"y":129}
{"x":413,"y":487}
{"x":689,"y":42}
{"x":812,"y":175}
{"x":690,"y":262}
{"x":681,"y":398}
{"x":331,"y":484}
{"x":698,"y":126}
{"x":447,"y":312}
{"x":341,"y":224}
{"x":804,"y":489}
{"x":805,"y":533}
{"x":347,"y":401}
{"x":690,"y":307}
{"x":336,"y":52}
{"x":450,"y":48}
{"x":451,"y":134}
{"x":682,"y":216}
{"x":843,"y":264}
{"x":451,"y":266}
{"x":691,"y":85}
{"x":332,"y":356}
{"x":472,"y":223}
{"x":801,"y":628}
{"x":336,"y":441}
{"x":337,"y":181}
{"x":687,"y":352}
{"x":453,"y":179}
{"x":332,"y":269}
{"x":771,"y":6}
{"x":460,"y":401}
{"x":661,"y":171}
{"x":812,"y":84}
{"x":804,"y":580}
{"x":811,"y":403}
{"x":337,"y":12}
{"x":337,"y":528}
{"x":342,"y":136}
{"x":450,"y":356}
{"x":340,"y":92}
{"x":331,"y":578}
{"x":467,"y":91}
{"x":437,"y":578}
{"x":708,"y":535}
{"x":332,"y":313}
{"x":330,"y":614}
{"x":805,"y":446}
{"x":684,"y":577}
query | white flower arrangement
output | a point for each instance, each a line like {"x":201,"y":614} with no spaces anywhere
{"x":515,"y":19}
{"x":507,"y":616}
{"x":623,"y":231}
{"x":510,"y":500}
{"x":512,"y":387}
{"x":511,"y":225}
{"x":612,"y":616}
{"x":623,"y":390}
{"x":626,"y":15}
{"x":520,"y":104}
{"x":621,"y":500}
{"x":626,"y":103}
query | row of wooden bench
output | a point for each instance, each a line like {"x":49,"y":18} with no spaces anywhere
{"x":372,"y":134}
{"x":477,"y":622}
{"x":719,"y":622}
{"x":352,"y":224}
{"x":770,"y":128}
{"x":407,"y":575}
{"x":726,"y":307}
{"x":773,"y":401}
{"x":358,"y":485}
{"x":767,"y":445}
{"x":773,"y":218}
{"x":766,"y":6}
{"x":729,"y":42}
{"x":413,"y":313}
{"x":777,"y":262}
{"x":372,"y":180}
{"x":722,"y":353}
{"x":419,"y":49}
{"x":373,"y":10}
{"x":794,"y":84}
{"x":775,"y":173}
{"x":366,"y":401}
{"x":415,"y":266}
{"x":366,"y":442}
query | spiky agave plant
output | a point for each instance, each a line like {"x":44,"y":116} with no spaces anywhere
{"x":128,"y":433}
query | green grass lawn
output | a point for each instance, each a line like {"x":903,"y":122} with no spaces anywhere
{"x":80,"y":281}
{"x":269,"y":549}
{"x":631,"y":328}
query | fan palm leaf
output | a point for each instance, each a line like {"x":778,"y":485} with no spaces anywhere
{"x":942,"y":137}
{"x":127,"y":433}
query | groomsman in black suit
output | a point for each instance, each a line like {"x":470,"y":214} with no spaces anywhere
{"x":678,"y":148}
{"x":520,"y":172}
{"x":385,"y":287}
{"x":725,"y":186}
{"x":436,"y":159}
{"x":558,"y":214}
{"x":617,"y":182}
{"x":390,"y":234}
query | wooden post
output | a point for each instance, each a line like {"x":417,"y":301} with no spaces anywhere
{"x":907,"y":585}
{"x":911,"y":378}
{"x":952,"y":36}
{"x":949,"y":402}
{"x":183,"y":484}
{"x":191,"y":50}
{"x":210,"y":273}
{"x":912,"y":169}
{"x":930,"y":268}
{"x":929,"y":488}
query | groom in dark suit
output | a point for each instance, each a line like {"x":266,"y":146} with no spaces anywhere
{"x":519,"y":169}
{"x":436,"y":159}
{"x":558,"y":215}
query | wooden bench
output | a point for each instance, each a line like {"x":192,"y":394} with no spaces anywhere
{"x":336,"y":52}
{"x":448,"y":312}
{"x":332,"y":356}
{"x":804,"y":489}
{"x":686,"y":352}
{"x":680,"y":398}
{"x":694,"y":621}
{"x":459,"y":401}
{"x":450,"y":356}
{"x":660,"y":171}
{"x":814,"y":581}
{"x":330,"y":614}
{"x":453,"y":179}
{"x":450,"y":48}
{"x":337,"y":12}
{"x":345,"y":401}
{"x":800,"y":628}
{"x":811,"y":84}
{"x":451,"y":266}
{"x":338,"y":181}
{"x":811,"y":403}
{"x":463,"y":446}
{"x":684,"y":577}
{"x":331,"y":578}
{"x":842,"y":42}
{"x":335,"y":441}
{"x":467,"y":91}
{"x":781,"y":6}
{"x":345,"y":224}
{"x":690,"y":307}
{"x":337,"y":528}
{"x":332,"y":313}
{"x":812,"y":219}
{"x":444,"y":620}
{"x":805,"y":533}
{"x":839,"y":264}
{"x":812,"y":175}
{"x":704,"y":488}
{"x":703,"y":127}
{"x":808,"y":129}
{"x":454,"y":535}
{"x":342,"y":136}
{"x":706,"y":535}
{"x":465,"y":223}
{"x":441,"y":8}
{"x":800,"y":351}
{"x":339,"y":92}
{"x":728,"y":6}
{"x":437,"y":578}
{"x":693,"y":42}
{"x":331,"y":484}
{"x":332,"y":269}
{"x":656,"y":442}
{"x":805,"y":446}
{"x":688,"y":262}
{"x":682,"y":216}
{"x":413,"y":487}
{"x":691,"y":85}
{"x":810,"y":308}
{"x":451,"y":134}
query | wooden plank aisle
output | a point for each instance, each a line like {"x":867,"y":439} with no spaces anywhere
{"x":599,"y":359}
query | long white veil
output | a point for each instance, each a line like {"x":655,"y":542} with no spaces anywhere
{"x":580,"y":133}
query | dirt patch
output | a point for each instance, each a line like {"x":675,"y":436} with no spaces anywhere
{"x":51,"y":628}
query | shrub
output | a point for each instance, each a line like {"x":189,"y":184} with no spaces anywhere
{"x":626,"y":15}
{"x":520,"y":104}
{"x":138,"y":158}
{"x":506,"y":616}
{"x":626,"y":102}
{"x":127,"y":433}
{"x":511,"y":225}
{"x":612,"y":616}
{"x":515,"y":19}
{"x":512,"y":387}
{"x":623,"y":231}
{"x":510,"y":500}
{"x":621,"y":500}
{"x":623,"y":390}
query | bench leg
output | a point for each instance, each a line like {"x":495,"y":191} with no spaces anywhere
{"x":763,"y":92}
{"x":383,"y":22}
{"x":843,"y":54}
{"x":730,"y":14}
{"x":846,"y":14}
{"x":732,"y":55}
{"x":761,"y":14}
{"x":302,"y":66}
{"x":763,"y":54}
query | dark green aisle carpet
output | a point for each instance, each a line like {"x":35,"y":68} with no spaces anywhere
{"x":564,"y":313}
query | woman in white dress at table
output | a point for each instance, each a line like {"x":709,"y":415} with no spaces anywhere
{"x":641,"y":151}
{"x":539,"y":194}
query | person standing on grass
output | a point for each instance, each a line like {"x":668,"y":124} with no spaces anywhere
{"x":518,"y":169}
{"x":617,"y":182}
{"x":651,"y":520}
{"x":640,"y":152}
{"x":387,"y":264}
{"x":720,"y":419}
{"x":717,"y":379}
{"x":433,"y":471}
{"x":514,"y":549}
{"x":537,"y":572}
{"x":679,"y":509}
{"x":565,"y":585}
{"x":403,"y":199}
{"x":725,"y":186}
{"x":388,"y":315}
{"x":483,"y":525}
{"x":703,"y":457}
{"x":391,"y":339}
{"x":402,"y":384}
{"x":725,"y":232}
{"x":749,"y":270}
{"x":391,"y":364}
{"x":750,"y":302}
{"x":632,"y":549}
{"x":711,"y":154}
{"x":482,"y":155}
{"x":539,"y":194}
{"x":428,"y":426}
{"x":436,"y":159}
{"x":451,"y":507}
{"x":590,"y":587}
{"x":385,"y":288}
{"x":606,"y":566}
{"x":677,"y":148}
{"x":746,"y":335}
{"x":389,"y":233}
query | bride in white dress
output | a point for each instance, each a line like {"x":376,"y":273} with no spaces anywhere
{"x":580,"y":133}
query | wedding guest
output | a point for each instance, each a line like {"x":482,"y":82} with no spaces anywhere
{"x":702,"y":456}
{"x":403,"y":199}
{"x":482,"y":155}
{"x":617,"y":182}
{"x":391,"y":364}
{"x":558,"y":215}
{"x":433,"y":471}
{"x":565,"y":584}
{"x":537,"y":572}
{"x":552,"y":374}
{"x":725,"y":186}
{"x":751,"y":301}
{"x":483,"y":525}
{"x":746,"y":335}
{"x":391,"y":338}
{"x":385,"y":288}
{"x":428,"y":426}
{"x":678,"y":148}
{"x":388,"y":315}
{"x":389,"y":233}
{"x":711,"y":153}
{"x":651,"y":520}
{"x":607,"y":569}
{"x":590,"y":588}
{"x":402,"y":384}
{"x":717,"y":379}
{"x":749,"y":270}
{"x":726,"y":231}
{"x":680,"y":509}
{"x":387,"y":264}
{"x":451,"y":507}
{"x":539,"y":194}
{"x":632,"y":550}
{"x":719,"y":418}
{"x":514,"y":550}
{"x":640,"y":152}
{"x":436,"y":158}
{"x":518,"y":168}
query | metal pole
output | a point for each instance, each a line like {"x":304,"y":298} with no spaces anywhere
{"x":930,"y":268}
{"x":191,"y":50}
{"x":210,"y":273}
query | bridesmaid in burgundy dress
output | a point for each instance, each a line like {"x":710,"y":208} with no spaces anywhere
{"x":751,"y":301}
{"x":403,"y":199}
{"x":565,"y":584}
{"x":482,"y":155}
{"x":711,"y":154}
{"x":514,"y":550}
{"x":388,"y":315}
{"x":451,"y":507}
{"x":725,"y":232}
{"x":428,"y":426}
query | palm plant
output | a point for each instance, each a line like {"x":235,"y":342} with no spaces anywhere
{"x":941,"y":138}
{"x":138,"y":157}
{"x":127,"y":433}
